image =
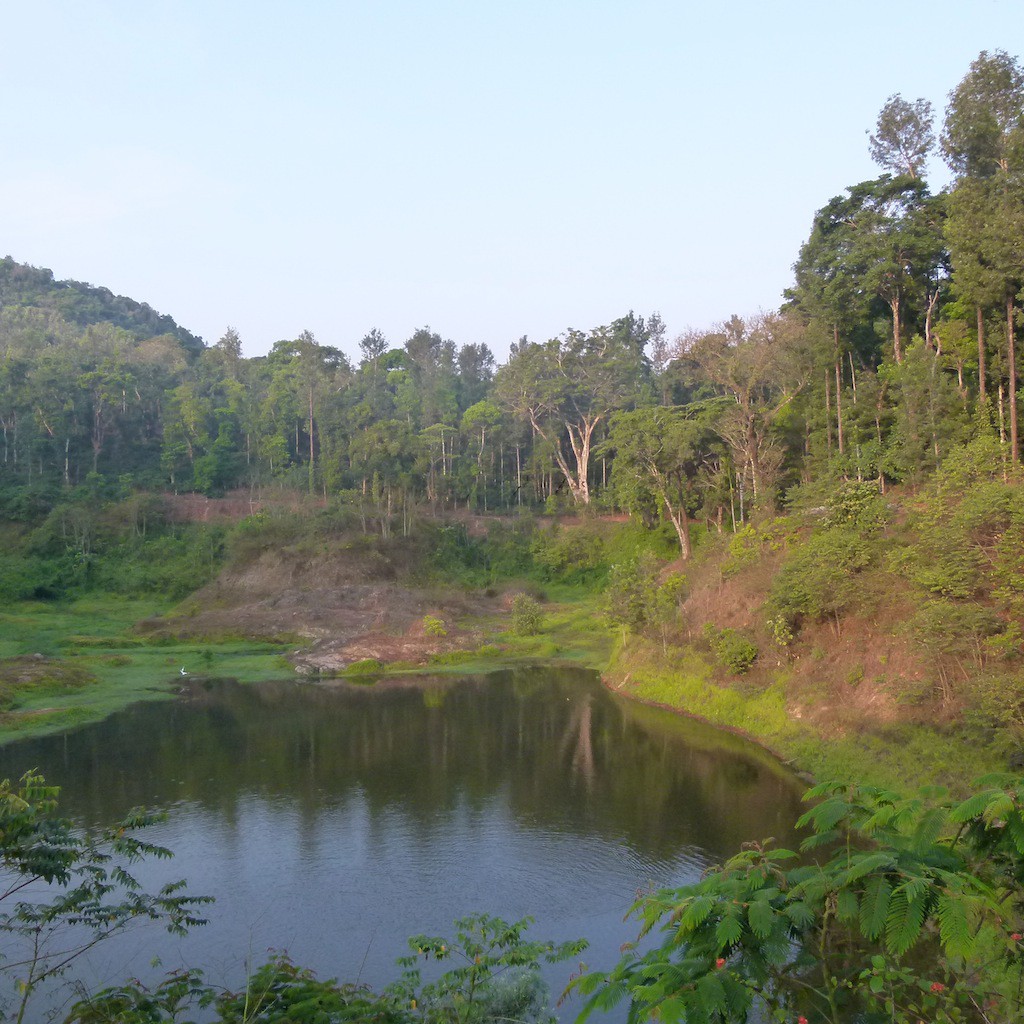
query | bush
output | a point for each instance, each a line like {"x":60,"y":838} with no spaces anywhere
{"x":855,"y":504}
{"x":526,"y":616}
{"x":819,"y":578}
{"x":732,"y":649}
{"x":364,"y":667}
{"x":433,"y":626}
{"x":576,"y":555}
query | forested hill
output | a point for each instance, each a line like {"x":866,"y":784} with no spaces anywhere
{"x":25,"y":287}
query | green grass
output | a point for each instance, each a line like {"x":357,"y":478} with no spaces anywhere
{"x":572,"y":628}
{"x":903,"y":756}
{"x":93,"y":637}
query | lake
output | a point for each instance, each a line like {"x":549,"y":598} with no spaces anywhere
{"x":334,"y":820}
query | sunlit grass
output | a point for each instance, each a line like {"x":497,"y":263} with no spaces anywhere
{"x":903,"y":756}
{"x":96,"y":634}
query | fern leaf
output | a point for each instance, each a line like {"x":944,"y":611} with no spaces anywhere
{"x":903,"y":926}
{"x":874,"y":906}
{"x":761,"y":918}
{"x":728,"y":932}
{"x":846,"y":905}
{"x":954,"y":926}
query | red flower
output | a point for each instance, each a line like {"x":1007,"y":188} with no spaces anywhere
{"x":801,"y":1020}
{"x":937,"y":986}
{"x":720,"y":963}
{"x":1016,"y":936}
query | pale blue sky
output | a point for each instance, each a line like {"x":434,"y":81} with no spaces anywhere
{"x":488,"y":169}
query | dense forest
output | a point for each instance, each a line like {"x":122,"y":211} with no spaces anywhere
{"x":895,"y":344}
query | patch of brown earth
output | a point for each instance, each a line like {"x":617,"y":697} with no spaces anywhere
{"x":346,"y":600}
{"x":861,"y":672}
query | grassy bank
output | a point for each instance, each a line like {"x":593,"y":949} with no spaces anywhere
{"x":67,"y":664}
{"x":902,"y":755}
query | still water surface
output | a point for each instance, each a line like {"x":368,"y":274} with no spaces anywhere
{"x":334,"y":821}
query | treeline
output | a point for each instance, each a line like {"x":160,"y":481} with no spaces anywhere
{"x":895,"y":345}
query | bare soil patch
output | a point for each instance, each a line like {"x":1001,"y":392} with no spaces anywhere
{"x":340,"y":599}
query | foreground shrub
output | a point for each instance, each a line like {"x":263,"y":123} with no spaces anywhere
{"x":913,"y":915}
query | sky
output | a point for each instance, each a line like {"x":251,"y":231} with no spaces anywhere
{"x":490,"y":170}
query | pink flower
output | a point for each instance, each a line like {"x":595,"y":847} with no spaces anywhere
{"x":1016,"y":936}
{"x":937,"y":986}
{"x":720,"y":963}
{"x":801,"y":1020}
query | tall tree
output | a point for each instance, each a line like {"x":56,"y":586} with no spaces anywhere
{"x":903,"y":136}
{"x":985,"y":116}
{"x":761,"y":365}
{"x":662,"y":451}
{"x":983,"y":142}
{"x":565,"y":388}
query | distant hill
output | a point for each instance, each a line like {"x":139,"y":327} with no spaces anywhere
{"x":84,"y":304}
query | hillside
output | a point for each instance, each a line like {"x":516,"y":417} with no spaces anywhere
{"x":84,"y":304}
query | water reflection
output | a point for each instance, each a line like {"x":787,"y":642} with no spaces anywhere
{"x":335,"y":820}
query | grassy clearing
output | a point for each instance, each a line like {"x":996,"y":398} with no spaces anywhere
{"x":572,"y":628}
{"x":92,"y":664}
{"x":902,"y":756}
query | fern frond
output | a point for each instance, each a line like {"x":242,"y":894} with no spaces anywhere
{"x":874,"y":906}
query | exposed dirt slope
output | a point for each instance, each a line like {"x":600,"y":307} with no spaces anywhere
{"x":352,"y":602}
{"x":859,"y":672}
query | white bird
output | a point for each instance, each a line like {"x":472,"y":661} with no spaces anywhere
{"x":183,"y":672}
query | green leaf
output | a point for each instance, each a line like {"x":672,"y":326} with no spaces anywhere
{"x":728,"y":932}
{"x":972,"y":806}
{"x":761,"y":917}
{"x":954,"y":926}
{"x":1015,"y":830}
{"x":696,"y":913}
{"x":800,"y":914}
{"x":904,"y":923}
{"x":1000,"y":808}
{"x":846,"y":905}
{"x":874,"y":906}
{"x":711,"y":993}
{"x":866,"y":864}
{"x":825,"y":816}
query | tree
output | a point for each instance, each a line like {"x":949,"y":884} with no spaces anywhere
{"x":476,"y":372}
{"x":985,"y":116}
{"x":883,"y":240}
{"x":983,"y":142}
{"x":477,"y":420}
{"x":985,"y":230}
{"x":903,"y":136}
{"x":565,"y":388}
{"x":662,"y":451}
{"x":88,"y":879}
{"x":318,"y":368}
{"x":761,"y":365}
